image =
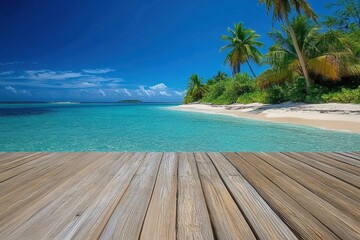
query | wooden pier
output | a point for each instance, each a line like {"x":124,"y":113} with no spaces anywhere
{"x":180,"y":196}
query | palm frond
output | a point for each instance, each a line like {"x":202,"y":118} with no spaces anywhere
{"x":274,"y":76}
{"x":326,"y":66}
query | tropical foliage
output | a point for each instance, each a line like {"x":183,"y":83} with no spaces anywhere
{"x":195,"y":89}
{"x":227,"y":90}
{"x":281,"y":10}
{"x":243,"y":45}
{"x":346,"y":16}
{"x":308,"y":62}
{"x":328,"y":56}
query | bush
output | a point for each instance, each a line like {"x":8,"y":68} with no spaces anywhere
{"x":242,"y":89}
{"x":252,"y":97}
{"x":227,"y":91}
{"x":275,"y":94}
{"x":236,"y":88}
{"x":343,"y":96}
{"x":295,"y":91}
{"x":314,"y":94}
{"x":214,"y":91}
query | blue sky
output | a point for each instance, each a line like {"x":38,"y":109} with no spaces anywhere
{"x":63,"y":50}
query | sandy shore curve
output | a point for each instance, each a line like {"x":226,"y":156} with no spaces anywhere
{"x":329,"y":116}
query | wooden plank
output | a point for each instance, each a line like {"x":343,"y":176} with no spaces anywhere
{"x":333,"y":161}
{"x":352,"y":155}
{"x":345,"y":158}
{"x":228,"y":221}
{"x":127,"y":218}
{"x":92,"y":221}
{"x":9,"y":224}
{"x":262,"y":218}
{"x":74,"y":199}
{"x":160,"y":220}
{"x":355,"y":154}
{"x":341,"y":201}
{"x":48,"y":163}
{"x":329,"y":180}
{"x":341,"y":174}
{"x":23,"y":191}
{"x":31,"y":162}
{"x":79,"y":195}
{"x":193,"y":221}
{"x":305,"y":225}
{"x":6,"y":157}
{"x":340,"y":223}
{"x":10,"y":160}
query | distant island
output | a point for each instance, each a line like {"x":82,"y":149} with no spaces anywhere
{"x":130,"y":101}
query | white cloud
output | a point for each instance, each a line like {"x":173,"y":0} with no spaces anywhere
{"x":98,"y":70}
{"x":49,"y":75}
{"x":123,"y":91}
{"x":180,"y":93}
{"x":58,"y":79}
{"x":11,"y":63}
{"x":127,"y":92}
{"x":159,"y":86}
{"x":164,"y":93}
{"x":16,"y":91}
{"x":6,"y":73}
{"x":24,"y":92}
{"x":101,"y":92}
{"x":86,"y":84}
{"x":10,"y":88}
{"x":142,"y":91}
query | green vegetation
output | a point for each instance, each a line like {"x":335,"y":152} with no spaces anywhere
{"x":309,"y":62}
{"x":327,"y":56}
{"x":243,"y":44}
{"x":195,"y":89}
{"x":347,"y":15}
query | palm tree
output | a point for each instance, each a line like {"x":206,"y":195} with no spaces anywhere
{"x":243,"y":43}
{"x":281,"y":10}
{"x":327,"y":55}
{"x":217,"y":78}
{"x":195,"y":90}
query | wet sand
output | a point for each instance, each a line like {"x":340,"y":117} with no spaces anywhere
{"x":330,"y":116}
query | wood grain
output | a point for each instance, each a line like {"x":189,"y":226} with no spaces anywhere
{"x":331,"y":181}
{"x":112,"y":195}
{"x":305,"y":225}
{"x":347,"y":158}
{"x":127,"y":219}
{"x":341,"y":224}
{"x":228,"y":221}
{"x":262,"y":218}
{"x":193,"y":221}
{"x":339,"y":173}
{"x":160,"y":221}
{"x":322,"y":190}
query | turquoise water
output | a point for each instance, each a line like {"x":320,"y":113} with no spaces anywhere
{"x":152,"y":127}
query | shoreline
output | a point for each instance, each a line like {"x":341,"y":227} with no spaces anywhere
{"x":329,"y":116}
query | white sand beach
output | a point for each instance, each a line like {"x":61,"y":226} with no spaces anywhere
{"x":330,"y":116}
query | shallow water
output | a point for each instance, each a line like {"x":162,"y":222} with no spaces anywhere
{"x":153,"y":127}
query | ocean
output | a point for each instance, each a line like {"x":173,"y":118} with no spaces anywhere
{"x":152,"y":127}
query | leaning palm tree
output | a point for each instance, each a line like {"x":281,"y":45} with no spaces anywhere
{"x":281,"y":11}
{"x":243,"y":44}
{"x":327,"y":55}
{"x":195,"y":90}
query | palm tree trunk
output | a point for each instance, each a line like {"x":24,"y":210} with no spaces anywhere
{"x":235,"y":70}
{"x":251,"y":68}
{"x":299,"y":53}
